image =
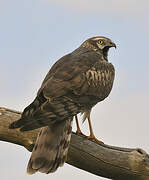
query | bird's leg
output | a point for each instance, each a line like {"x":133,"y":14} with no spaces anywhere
{"x":78,"y":127}
{"x":92,"y":136}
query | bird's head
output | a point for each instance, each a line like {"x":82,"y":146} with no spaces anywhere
{"x":101,"y":44}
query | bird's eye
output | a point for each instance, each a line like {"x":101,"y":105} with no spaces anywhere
{"x":100,"y":42}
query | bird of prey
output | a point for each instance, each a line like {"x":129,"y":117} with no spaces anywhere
{"x":74,"y":84}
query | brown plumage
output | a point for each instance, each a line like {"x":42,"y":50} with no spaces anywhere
{"x":75,"y":83}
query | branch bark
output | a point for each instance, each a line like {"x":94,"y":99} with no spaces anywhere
{"x":103,"y":160}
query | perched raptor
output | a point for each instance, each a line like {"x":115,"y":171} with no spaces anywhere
{"x":74,"y":84}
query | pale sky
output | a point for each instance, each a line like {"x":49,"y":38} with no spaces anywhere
{"x":35,"y":33}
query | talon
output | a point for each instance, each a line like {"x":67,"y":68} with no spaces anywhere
{"x":92,"y":136}
{"x":95,"y":139}
{"x":78,"y":131}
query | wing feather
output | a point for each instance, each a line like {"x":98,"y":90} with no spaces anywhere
{"x":63,"y":79}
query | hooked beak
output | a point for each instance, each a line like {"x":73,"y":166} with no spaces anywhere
{"x":112,"y":44}
{"x":106,"y":49}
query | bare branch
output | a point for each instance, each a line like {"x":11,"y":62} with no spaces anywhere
{"x":103,"y":160}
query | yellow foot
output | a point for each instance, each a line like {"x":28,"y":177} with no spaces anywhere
{"x":79,"y":132}
{"x":95,"y":139}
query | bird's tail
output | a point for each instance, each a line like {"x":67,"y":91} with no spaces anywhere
{"x":51,"y":147}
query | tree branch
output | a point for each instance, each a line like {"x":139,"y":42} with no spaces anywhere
{"x":103,"y":160}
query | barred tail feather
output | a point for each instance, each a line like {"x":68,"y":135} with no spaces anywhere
{"x":51,"y":148}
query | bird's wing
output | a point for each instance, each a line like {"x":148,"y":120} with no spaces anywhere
{"x":63,"y":78}
{"x":66,"y":74}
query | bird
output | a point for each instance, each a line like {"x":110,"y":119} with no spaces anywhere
{"x":74,"y":84}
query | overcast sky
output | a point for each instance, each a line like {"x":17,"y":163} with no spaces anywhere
{"x":35,"y":33}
